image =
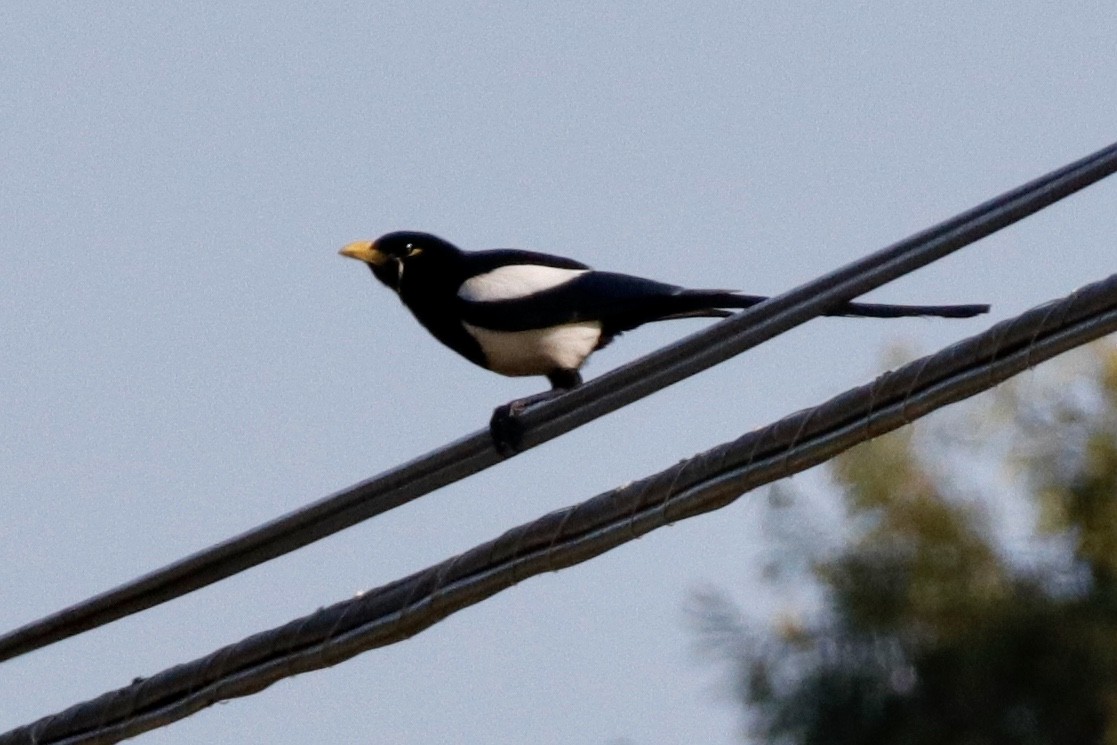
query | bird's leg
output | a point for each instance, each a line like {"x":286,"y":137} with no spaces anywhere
{"x":505,"y":427}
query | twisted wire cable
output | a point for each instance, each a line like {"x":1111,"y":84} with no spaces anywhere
{"x":563,"y":538}
{"x":553,"y":418}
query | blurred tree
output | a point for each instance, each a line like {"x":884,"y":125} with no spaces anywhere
{"x":933,"y":625}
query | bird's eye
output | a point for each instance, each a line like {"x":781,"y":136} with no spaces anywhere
{"x":412,"y":250}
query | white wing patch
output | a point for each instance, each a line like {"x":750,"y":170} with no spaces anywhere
{"x":513,"y":281}
{"x":538,"y":351}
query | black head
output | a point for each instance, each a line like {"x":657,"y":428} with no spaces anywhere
{"x":389,"y":255}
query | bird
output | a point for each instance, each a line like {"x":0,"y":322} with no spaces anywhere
{"x":525,"y":313}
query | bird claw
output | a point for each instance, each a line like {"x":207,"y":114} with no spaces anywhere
{"x":505,"y":426}
{"x":506,"y":429}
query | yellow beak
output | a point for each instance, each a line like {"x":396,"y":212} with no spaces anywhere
{"x":365,"y":251}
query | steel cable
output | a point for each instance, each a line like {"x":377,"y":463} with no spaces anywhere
{"x":600,"y":396}
{"x":560,"y":539}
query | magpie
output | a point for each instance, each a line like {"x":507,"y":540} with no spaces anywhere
{"x":522,"y":313}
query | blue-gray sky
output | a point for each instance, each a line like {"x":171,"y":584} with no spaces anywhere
{"x":185,"y":356}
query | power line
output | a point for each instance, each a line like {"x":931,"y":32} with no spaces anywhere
{"x":600,"y":396}
{"x":706,"y":482}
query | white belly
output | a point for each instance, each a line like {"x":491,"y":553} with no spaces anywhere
{"x":539,"y":351}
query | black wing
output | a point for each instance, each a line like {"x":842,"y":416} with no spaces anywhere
{"x":620,"y":301}
{"x":479,"y":262}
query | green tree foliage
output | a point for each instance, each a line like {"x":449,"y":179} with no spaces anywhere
{"x":934,"y":627}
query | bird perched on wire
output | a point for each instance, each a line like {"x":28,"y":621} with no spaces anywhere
{"x":526,"y":313}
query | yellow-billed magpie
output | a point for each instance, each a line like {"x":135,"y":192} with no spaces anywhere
{"x":526,"y":313}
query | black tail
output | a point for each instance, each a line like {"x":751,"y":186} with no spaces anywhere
{"x":713,"y":302}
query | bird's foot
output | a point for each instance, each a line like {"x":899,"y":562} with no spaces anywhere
{"x":506,"y":430}
{"x":505,"y":426}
